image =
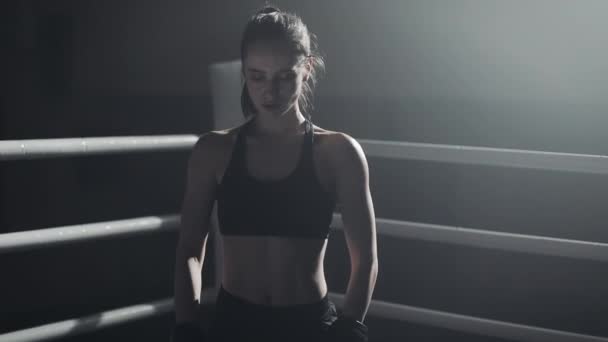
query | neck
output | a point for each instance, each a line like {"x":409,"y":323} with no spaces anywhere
{"x":289,"y":124}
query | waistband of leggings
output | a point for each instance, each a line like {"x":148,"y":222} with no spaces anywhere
{"x":227,"y":300}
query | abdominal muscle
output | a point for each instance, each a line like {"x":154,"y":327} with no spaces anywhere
{"x":273,"y":270}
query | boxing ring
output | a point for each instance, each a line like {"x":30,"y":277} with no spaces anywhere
{"x":14,"y":150}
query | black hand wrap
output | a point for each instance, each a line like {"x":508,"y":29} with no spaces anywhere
{"x":346,"y":329}
{"x":187,"y":332}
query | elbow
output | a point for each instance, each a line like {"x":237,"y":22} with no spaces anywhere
{"x":367,"y":265}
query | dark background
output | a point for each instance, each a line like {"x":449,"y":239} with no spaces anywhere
{"x":512,"y":74}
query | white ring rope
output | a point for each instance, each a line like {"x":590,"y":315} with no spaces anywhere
{"x":90,"y":323}
{"x":10,"y":242}
{"x":572,"y":162}
{"x":99,"y":321}
{"x":577,"y":249}
{"x":49,"y":148}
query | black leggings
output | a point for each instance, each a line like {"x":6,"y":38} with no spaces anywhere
{"x":237,"y":319}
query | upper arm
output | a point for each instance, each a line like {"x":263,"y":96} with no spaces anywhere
{"x":353,"y":194}
{"x":199,"y":196}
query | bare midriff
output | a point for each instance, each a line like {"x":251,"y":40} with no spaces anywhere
{"x":273,"y":270}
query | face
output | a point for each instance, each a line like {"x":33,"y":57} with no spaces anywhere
{"x":274,"y":76}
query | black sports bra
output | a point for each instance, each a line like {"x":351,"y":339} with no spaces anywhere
{"x":295,"y":206}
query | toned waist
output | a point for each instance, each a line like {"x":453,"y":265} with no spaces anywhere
{"x":274,"y":270}
{"x":274,"y":289}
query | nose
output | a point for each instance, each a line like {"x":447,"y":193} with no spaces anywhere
{"x":271,"y":91}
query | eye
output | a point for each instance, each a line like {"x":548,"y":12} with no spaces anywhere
{"x":256,"y":77}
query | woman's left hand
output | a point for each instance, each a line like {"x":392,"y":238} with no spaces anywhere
{"x":345,"y":329}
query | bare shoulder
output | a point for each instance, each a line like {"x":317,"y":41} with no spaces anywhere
{"x":340,"y":148}
{"x":212,"y":150}
{"x":217,"y":142}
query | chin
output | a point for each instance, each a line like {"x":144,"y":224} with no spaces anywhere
{"x":276,"y":112}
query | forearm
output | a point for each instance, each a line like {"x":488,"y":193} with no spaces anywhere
{"x":187,"y":287}
{"x":360,"y":289}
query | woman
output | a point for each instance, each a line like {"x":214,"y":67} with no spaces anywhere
{"x":277,"y":179}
